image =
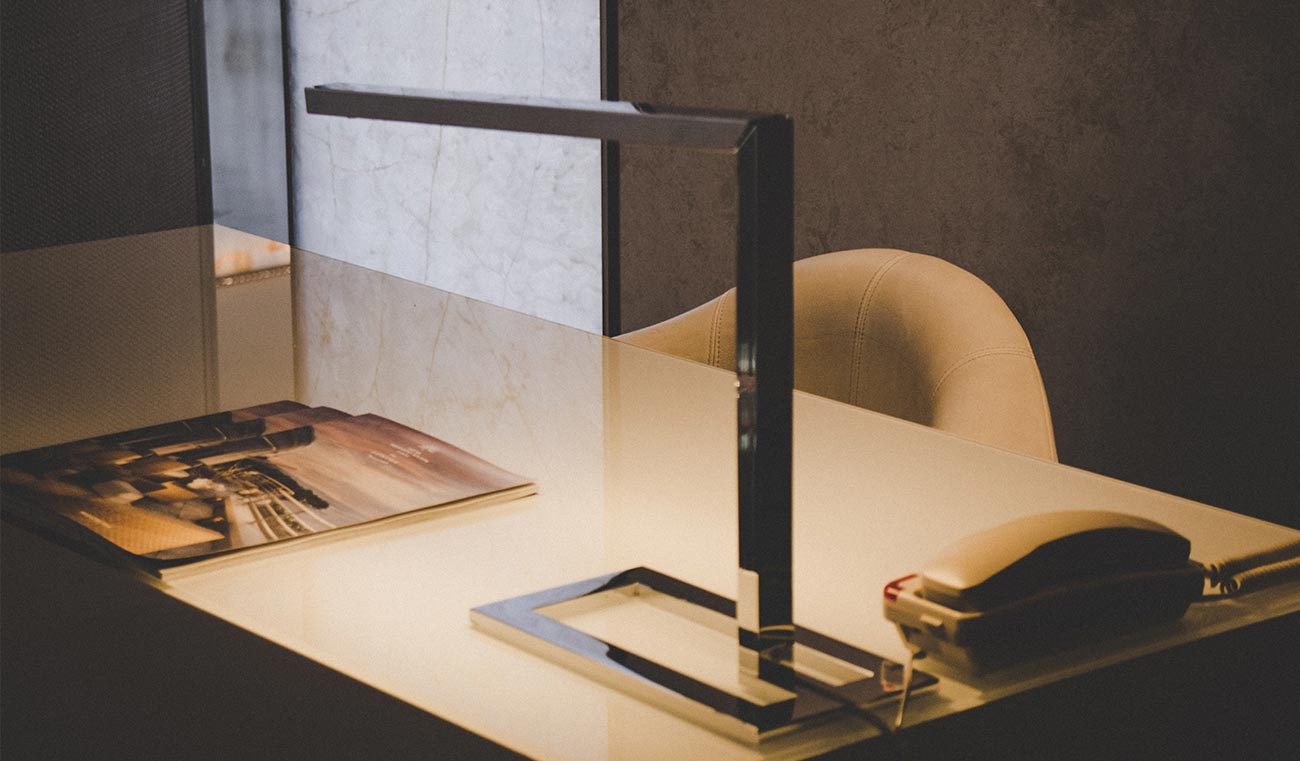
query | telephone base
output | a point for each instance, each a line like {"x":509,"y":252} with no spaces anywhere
{"x":1054,"y":620}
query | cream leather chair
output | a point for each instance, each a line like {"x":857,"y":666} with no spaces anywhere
{"x":905,"y":334}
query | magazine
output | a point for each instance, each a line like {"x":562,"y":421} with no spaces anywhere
{"x":217,"y":485}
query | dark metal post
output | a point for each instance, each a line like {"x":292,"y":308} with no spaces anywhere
{"x":610,"y":254}
{"x":764,"y":337}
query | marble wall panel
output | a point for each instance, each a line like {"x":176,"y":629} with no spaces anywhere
{"x":511,"y":219}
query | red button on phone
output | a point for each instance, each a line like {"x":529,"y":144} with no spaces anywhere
{"x":894,"y":587}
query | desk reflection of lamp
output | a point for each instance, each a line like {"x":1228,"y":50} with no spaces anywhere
{"x":787,"y":676}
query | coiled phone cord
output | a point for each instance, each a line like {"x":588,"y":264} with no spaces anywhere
{"x":909,"y":671}
{"x":1257,"y":578}
{"x":1256,"y":570}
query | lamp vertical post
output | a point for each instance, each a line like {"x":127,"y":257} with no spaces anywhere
{"x":764,"y":336}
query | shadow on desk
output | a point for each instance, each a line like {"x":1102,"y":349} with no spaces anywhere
{"x":1229,"y":698}
{"x":96,"y":665}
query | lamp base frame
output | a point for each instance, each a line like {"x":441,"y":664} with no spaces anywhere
{"x":820,"y":678}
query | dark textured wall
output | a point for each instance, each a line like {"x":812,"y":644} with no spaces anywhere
{"x":1126,"y":175}
{"x":97,"y":135}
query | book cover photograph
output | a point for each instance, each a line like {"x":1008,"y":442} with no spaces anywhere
{"x":207,"y":486}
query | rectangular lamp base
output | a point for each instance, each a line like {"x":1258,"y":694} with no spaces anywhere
{"x":674,"y":645}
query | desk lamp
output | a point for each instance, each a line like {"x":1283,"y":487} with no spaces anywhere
{"x":785,"y":667}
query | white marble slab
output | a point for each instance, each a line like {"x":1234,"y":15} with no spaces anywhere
{"x":510,"y":219}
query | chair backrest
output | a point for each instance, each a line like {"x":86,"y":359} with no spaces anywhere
{"x":905,"y":334}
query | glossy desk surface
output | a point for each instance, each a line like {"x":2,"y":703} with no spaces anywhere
{"x":635,"y":459}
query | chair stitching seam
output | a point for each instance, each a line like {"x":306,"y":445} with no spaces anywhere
{"x":1018,"y":351}
{"x":860,"y":324}
{"x":1047,"y":413}
{"x":715,"y":351}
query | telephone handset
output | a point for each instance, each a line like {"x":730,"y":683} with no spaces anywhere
{"x":1041,"y":584}
{"x":1040,"y":552}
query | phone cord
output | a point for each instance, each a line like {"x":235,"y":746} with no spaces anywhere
{"x":1258,"y":569}
{"x":909,"y":671}
{"x":1257,"y":578}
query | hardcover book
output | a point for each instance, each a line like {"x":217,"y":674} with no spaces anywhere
{"x":225,"y":484}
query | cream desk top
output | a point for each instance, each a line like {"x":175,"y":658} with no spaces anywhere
{"x":634,"y":455}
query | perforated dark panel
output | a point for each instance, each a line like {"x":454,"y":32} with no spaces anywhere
{"x":96,"y":120}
